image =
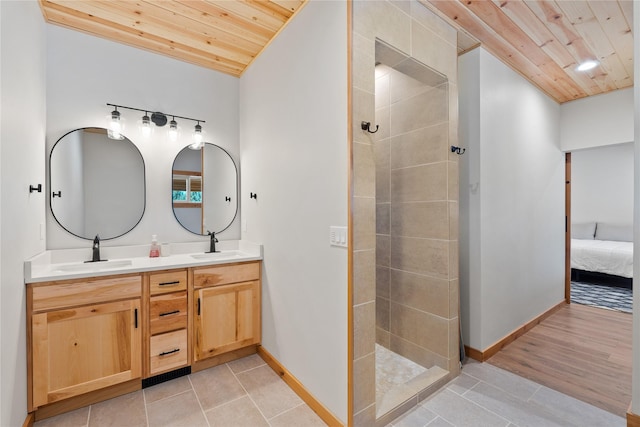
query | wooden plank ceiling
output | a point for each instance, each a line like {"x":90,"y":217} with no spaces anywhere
{"x":219,"y":34}
{"x":542,"y":40}
{"x":546,"y":40}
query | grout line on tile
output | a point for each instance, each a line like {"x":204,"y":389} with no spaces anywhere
{"x":146,"y":411}
{"x":250,"y":369}
{"x":89,"y":414}
{"x":198,"y":399}
{"x":534,"y":393}
{"x":286,"y":410}
{"x":487,"y":409}
{"x":249,"y":395}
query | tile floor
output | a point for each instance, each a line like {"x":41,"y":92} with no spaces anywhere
{"x":247,"y":393}
{"x":242,"y":393}
{"x":484,"y":395}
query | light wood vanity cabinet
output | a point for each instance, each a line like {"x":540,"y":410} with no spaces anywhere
{"x":85,"y":335}
{"x":168,"y":344}
{"x":226,"y":309}
{"x":95,"y":338}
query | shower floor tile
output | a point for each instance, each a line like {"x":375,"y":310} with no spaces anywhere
{"x":398,"y":379}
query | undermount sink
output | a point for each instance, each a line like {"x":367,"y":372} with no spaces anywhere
{"x":217,"y":255}
{"x":92,"y":266}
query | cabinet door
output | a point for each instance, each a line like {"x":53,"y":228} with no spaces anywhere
{"x":81,"y":349}
{"x":226,"y":318}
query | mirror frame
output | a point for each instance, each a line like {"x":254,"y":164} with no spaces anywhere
{"x":144,"y":187}
{"x":237,"y":187}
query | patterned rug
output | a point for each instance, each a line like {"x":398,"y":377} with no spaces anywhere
{"x":602,"y":296}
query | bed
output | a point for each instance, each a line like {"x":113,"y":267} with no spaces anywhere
{"x":602,"y":248}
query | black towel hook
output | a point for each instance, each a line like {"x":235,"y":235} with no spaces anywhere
{"x":459,"y":151}
{"x":254,"y":196}
{"x":367,"y":126}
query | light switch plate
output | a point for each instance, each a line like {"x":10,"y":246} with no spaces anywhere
{"x":338,"y":236}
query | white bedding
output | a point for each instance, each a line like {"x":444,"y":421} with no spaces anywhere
{"x":603,"y":256}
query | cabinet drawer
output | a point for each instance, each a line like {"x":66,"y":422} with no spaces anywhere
{"x":87,"y":291}
{"x":168,"y":351}
{"x":168,"y":312}
{"x":161,"y":283}
{"x":225,"y":274}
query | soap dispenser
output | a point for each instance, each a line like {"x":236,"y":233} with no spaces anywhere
{"x":155,"y":247}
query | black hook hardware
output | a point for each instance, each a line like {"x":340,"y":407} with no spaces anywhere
{"x":367,"y":126}
{"x":254,"y":196}
{"x":459,"y":151}
{"x":37,"y":188}
{"x":58,"y":194}
{"x":227,"y":199}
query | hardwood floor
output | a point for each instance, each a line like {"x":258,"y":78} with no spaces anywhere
{"x":581,"y":351}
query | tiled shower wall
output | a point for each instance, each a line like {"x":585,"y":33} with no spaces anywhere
{"x":411,"y":28}
{"x":412,"y":216}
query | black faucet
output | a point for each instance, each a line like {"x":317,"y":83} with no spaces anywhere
{"x":96,"y":250}
{"x":212,"y":242}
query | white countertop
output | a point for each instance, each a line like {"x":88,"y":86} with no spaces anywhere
{"x":70,"y":263}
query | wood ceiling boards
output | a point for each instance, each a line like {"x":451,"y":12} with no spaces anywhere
{"x":542,"y":40}
{"x":219,"y":34}
{"x":546,"y":40}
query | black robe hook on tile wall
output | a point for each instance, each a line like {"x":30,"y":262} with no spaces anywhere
{"x":253,"y":196}
{"x":367,"y":126}
{"x":459,"y":151}
{"x":37,"y":188}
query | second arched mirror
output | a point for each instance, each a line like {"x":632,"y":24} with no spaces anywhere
{"x":204,"y":189}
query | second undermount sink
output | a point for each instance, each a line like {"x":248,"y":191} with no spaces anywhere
{"x":92,"y":266}
{"x":217,"y":255}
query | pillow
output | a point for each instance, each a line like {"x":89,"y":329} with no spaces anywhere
{"x":618,"y":233}
{"x":585,"y":230}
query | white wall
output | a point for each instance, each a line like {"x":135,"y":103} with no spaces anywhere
{"x":85,"y":72}
{"x":22,"y":134}
{"x":293,"y":125}
{"x":602,"y":184}
{"x":518,"y":193}
{"x":598,"y":120}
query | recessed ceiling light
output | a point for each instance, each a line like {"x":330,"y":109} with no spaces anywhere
{"x":587,"y":65}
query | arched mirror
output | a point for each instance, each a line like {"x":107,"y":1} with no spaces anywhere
{"x":204,"y":189}
{"x":97,"y":184}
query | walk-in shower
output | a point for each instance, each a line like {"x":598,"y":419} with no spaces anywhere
{"x":413,"y":230}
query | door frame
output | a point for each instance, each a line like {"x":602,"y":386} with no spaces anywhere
{"x":567,"y":228}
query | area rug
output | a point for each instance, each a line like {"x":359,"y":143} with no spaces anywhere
{"x":602,"y":296}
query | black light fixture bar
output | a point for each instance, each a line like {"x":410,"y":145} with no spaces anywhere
{"x":157,"y":112}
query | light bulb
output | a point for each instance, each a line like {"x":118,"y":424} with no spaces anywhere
{"x":196,"y":145}
{"x":173,"y":130}
{"x":145,"y":127}
{"x":115,"y":126}
{"x":587,"y":65}
{"x":197,"y":134}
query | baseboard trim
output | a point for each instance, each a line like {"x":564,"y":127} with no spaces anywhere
{"x":633,"y":420}
{"x":324,"y":413}
{"x":484,"y":355}
{"x":31,"y":418}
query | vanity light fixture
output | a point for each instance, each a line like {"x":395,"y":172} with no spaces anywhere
{"x":157,"y":118}
{"x":587,"y":65}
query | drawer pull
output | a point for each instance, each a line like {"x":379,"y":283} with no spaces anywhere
{"x":136,"y":318}
{"x":175,"y":282}
{"x":169,"y":313}
{"x":164,"y":353}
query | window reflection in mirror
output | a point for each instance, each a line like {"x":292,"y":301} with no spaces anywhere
{"x":97,"y":184}
{"x":204,"y":189}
